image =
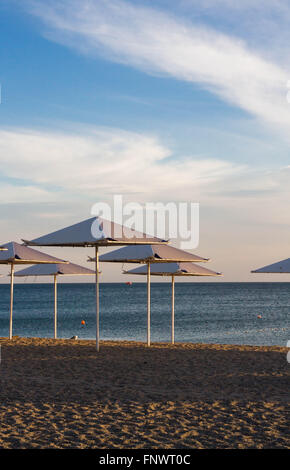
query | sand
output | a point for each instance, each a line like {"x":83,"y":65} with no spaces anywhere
{"x":62,"y":394}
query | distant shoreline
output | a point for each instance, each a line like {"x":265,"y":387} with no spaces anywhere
{"x":153,"y":281}
{"x":24,"y":340}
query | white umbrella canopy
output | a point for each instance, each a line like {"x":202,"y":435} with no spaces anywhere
{"x":68,"y":269}
{"x":180,"y":269}
{"x":16,"y":254}
{"x":55,"y":270}
{"x":174,"y":269}
{"x":279,"y":267}
{"x":149,"y":254}
{"x":95,"y":232}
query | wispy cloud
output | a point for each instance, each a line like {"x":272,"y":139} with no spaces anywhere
{"x":263,"y":23}
{"x":159,"y":43}
{"x":11,"y":194}
{"x":80,"y":167}
{"x":101,"y":162}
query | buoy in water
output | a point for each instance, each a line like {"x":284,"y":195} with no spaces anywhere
{"x":83,"y":322}
{"x":259,"y":316}
{"x":129,"y":283}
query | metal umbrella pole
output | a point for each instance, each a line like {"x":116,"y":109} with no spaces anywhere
{"x":148,"y":305}
{"x":97,"y":301}
{"x":11,"y":299}
{"x":172,"y":312}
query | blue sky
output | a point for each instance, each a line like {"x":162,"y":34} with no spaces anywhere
{"x":159,"y":101}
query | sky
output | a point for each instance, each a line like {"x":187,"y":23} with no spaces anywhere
{"x":159,"y":101}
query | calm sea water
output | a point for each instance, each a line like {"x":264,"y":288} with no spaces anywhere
{"x":225,"y":313}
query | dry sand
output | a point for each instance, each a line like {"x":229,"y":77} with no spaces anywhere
{"x":62,"y":394}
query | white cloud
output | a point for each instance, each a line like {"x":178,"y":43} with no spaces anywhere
{"x":11,"y":194}
{"x":263,"y":23}
{"x":87,"y":167}
{"x":158,"y":43}
{"x":102,"y":162}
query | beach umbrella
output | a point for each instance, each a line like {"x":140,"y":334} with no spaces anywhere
{"x":281,"y":267}
{"x":149,"y":255}
{"x":55,"y":270}
{"x":95,"y":232}
{"x":172,"y":270}
{"x":16,"y":254}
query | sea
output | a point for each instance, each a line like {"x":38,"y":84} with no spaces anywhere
{"x":223,"y":313}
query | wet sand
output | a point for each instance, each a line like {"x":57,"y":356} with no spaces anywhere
{"x":62,"y":394}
